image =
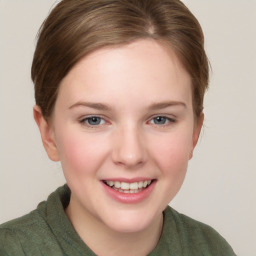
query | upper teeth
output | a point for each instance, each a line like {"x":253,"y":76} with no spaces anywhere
{"x":125,"y":185}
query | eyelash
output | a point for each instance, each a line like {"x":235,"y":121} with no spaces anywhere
{"x":167,"y":119}
{"x":86,"y":121}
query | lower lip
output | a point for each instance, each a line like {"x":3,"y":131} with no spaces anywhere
{"x":127,"y":198}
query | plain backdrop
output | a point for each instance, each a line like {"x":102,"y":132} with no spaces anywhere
{"x":220,"y":187}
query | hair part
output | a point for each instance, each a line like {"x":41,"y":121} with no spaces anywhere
{"x":74,"y":29}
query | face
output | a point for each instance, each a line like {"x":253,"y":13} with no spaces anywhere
{"x":124,"y":131}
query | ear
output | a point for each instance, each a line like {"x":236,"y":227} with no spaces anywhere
{"x":47,"y":134}
{"x":196,"y":133}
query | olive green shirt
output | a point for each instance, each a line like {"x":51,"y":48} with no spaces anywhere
{"x":47,"y":231}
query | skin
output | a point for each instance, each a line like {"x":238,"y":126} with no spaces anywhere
{"x":137,"y":83}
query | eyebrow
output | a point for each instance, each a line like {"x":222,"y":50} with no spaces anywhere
{"x":166,"y":104}
{"x":104,"y":107}
{"x":98,"y":106}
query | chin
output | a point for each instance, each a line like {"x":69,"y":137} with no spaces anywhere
{"x":131,"y":221}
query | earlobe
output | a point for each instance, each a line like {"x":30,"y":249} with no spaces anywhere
{"x":47,"y":134}
{"x":196,"y":133}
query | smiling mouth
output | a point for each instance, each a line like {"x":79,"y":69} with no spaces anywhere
{"x":125,"y":187}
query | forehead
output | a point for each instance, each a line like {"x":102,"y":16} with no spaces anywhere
{"x":144,"y":69}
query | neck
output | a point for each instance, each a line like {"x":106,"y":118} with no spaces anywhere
{"x":103,"y":240}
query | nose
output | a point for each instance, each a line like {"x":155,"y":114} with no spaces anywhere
{"x":129,"y":148}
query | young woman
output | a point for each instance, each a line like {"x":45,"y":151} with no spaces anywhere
{"x":119,"y":87}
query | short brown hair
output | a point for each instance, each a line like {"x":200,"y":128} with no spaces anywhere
{"x":75,"y":28}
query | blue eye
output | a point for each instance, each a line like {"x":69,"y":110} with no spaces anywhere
{"x":161,"y":120}
{"x":93,"y":121}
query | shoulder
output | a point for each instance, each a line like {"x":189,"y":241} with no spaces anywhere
{"x":197,"y":237}
{"x":13,"y":233}
{"x":9,"y":242}
{"x":41,"y":231}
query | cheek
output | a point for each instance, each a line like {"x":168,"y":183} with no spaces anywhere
{"x":171,"y":156}
{"x":80,"y":154}
{"x":172,"y":153}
